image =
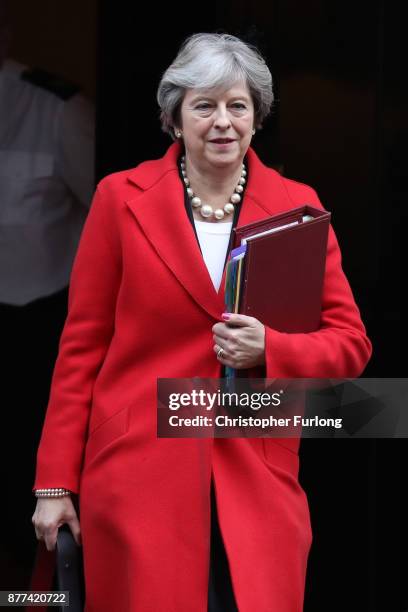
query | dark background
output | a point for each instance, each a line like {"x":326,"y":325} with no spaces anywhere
{"x":339,"y":124}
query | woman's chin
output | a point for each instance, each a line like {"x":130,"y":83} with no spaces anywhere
{"x":223,"y":158}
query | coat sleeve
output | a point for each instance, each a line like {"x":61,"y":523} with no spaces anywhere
{"x":83,"y":345}
{"x":340,"y":348}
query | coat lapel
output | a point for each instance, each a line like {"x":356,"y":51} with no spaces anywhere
{"x":161,"y":215}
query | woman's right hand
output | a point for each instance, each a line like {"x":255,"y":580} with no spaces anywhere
{"x":50,"y":514}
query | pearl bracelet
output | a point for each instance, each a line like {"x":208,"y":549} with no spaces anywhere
{"x":52,"y":492}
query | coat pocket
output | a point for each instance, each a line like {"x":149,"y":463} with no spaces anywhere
{"x":280,"y":456}
{"x":106,"y":433}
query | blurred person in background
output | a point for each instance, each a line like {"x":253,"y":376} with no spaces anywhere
{"x":46,"y":185}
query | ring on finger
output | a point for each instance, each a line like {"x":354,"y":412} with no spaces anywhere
{"x":220,"y":352}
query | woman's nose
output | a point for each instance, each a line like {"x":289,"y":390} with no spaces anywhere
{"x":222,"y":119}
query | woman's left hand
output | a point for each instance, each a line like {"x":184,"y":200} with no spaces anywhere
{"x":242,"y":339}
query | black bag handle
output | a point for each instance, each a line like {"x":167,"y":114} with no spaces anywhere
{"x":69,"y":570}
{"x":60,"y":570}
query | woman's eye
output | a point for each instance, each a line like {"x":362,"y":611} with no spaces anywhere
{"x":203,"y":106}
{"x":239,"y":106}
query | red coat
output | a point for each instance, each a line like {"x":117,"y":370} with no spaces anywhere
{"x":142,"y":306}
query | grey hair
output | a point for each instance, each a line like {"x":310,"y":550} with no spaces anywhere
{"x":213,"y":61}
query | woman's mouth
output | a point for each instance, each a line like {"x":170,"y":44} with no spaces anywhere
{"x":222,"y":142}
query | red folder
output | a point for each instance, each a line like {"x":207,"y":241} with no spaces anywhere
{"x":283,"y":271}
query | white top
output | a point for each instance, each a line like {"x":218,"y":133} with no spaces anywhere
{"x":46,"y":185}
{"x":214,"y":239}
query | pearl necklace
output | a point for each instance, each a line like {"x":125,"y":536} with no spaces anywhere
{"x":206,"y":210}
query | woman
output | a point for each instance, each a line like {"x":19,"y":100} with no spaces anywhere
{"x":146,"y":301}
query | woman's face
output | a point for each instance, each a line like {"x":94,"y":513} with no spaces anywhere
{"x":217,"y":126}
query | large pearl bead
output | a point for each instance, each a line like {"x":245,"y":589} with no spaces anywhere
{"x":235,"y":198}
{"x":206,"y":210}
{"x":218,"y":213}
{"x":190,"y":192}
{"x":241,"y":181}
{"x":187,"y":182}
{"x":229,"y":208}
{"x":196,"y":202}
{"x":239,"y":189}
